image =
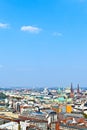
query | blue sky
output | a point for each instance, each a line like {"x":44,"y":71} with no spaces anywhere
{"x":43,"y":43}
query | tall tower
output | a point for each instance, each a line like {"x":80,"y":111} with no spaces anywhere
{"x":71,"y":88}
{"x":72,"y":91}
{"x":78,"y":91}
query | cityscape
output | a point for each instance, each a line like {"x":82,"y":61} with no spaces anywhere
{"x":43,"y":108}
{"x":43,"y":64}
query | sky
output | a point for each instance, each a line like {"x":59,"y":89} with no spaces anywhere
{"x":43,"y":43}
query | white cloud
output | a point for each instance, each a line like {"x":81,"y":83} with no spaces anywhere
{"x":30,"y":29}
{"x":3,"y":25}
{"x":23,"y":69}
{"x":57,"y":34}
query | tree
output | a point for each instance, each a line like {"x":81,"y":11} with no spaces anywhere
{"x":2,"y":95}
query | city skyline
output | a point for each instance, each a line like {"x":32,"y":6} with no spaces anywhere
{"x":43,"y":43}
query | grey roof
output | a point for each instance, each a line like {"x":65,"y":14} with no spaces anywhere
{"x":73,"y":115}
{"x":50,"y":112}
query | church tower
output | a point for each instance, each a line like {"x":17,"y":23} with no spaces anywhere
{"x":72,"y":91}
{"x":78,"y":91}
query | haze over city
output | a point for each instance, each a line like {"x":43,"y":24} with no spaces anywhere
{"x":43,"y":43}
